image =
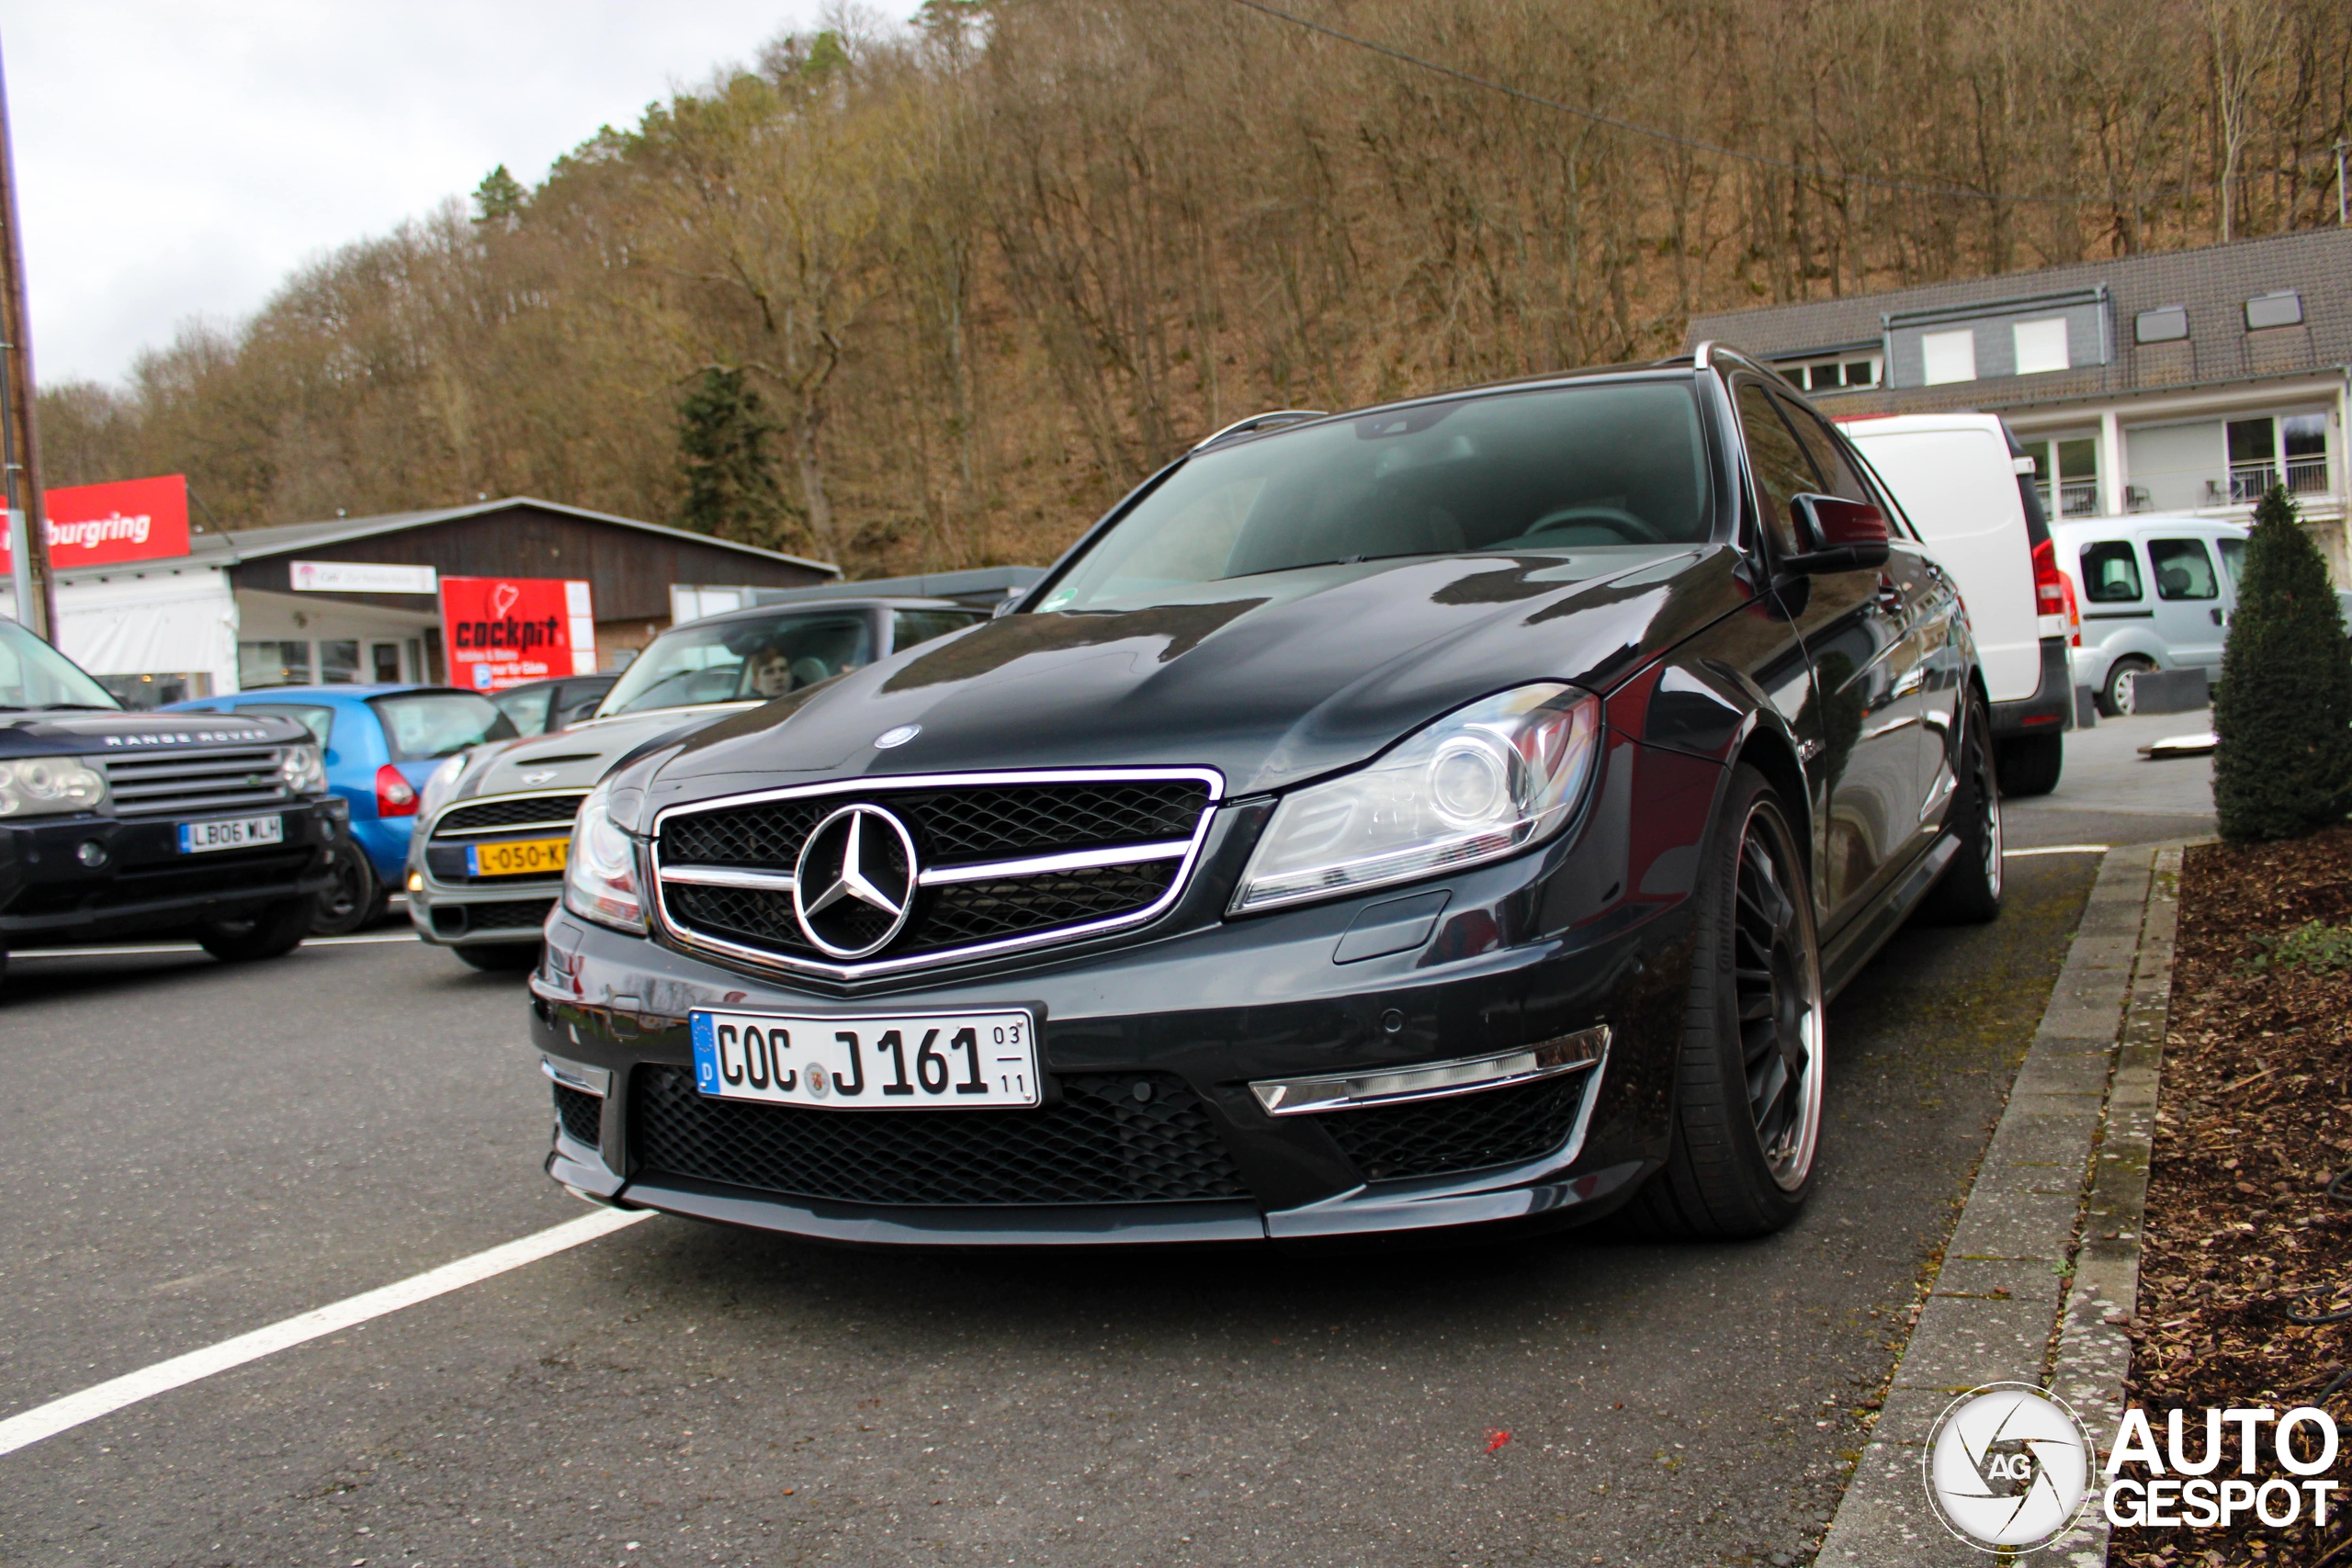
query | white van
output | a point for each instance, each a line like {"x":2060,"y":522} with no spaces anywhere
{"x":2156,"y":593}
{"x":1967,"y":487}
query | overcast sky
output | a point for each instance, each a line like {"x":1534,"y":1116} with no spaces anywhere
{"x":178,"y":159}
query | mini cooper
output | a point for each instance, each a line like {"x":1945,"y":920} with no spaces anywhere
{"x":1452,"y":813}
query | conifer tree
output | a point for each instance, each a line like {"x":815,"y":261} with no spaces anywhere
{"x":723,"y":431}
{"x":2283,"y":710}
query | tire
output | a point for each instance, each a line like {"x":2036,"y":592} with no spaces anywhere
{"x":2113,"y":699}
{"x":1969,"y":892}
{"x":2030,"y":764}
{"x":1747,"y":1093}
{"x":502,"y":957}
{"x":356,"y":897}
{"x":271,"y":932}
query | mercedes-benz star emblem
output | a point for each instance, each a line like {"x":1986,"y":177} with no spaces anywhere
{"x":854,"y":886}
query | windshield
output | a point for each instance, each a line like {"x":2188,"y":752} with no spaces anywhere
{"x":1608,"y":463}
{"x":423,"y":725}
{"x":35,"y":675}
{"x":750,"y":659}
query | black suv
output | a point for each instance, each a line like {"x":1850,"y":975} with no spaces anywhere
{"x":117,"y":824}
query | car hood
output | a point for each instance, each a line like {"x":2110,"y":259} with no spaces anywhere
{"x":576,"y":757}
{"x":71,"y":733}
{"x":1270,"y":680}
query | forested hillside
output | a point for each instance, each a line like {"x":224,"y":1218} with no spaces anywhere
{"x":929,"y":296}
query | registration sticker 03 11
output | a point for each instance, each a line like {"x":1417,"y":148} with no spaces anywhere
{"x":931,"y":1061}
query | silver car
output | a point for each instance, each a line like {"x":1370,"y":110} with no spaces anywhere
{"x":486,"y":863}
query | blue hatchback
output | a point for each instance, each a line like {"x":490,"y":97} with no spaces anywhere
{"x":382,"y":743}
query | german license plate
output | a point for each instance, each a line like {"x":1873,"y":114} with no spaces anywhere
{"x":531,"y":857}
{"x":236,"y":833}
{"x":929,"y":1061}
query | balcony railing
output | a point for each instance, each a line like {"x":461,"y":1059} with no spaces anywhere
{"x":2079,"y":497}
{"x":2307,"y":476}
{"x":2302,"y":476}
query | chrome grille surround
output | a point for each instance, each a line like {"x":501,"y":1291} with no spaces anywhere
{"x":1184,"y":852}
{"x":187,"y":783}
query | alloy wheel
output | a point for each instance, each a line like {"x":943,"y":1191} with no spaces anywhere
{"x":1777,"y":979}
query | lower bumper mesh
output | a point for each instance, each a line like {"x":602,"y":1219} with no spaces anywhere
{"x":1463,"y":1132}
{"x":582,"y":1115}
{"x":1116,"y":1138}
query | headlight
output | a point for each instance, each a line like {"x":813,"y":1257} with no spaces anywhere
{"x":443,"y":779}
{"x":1477,"y":785}
{"x":47,"y":785}
{"x":303,"y":772}
{"x":600,"y":872}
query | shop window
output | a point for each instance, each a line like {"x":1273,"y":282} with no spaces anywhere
{"x":1947,"y":358}
{"x":386,"y":657}
{"x":338,"y":662}
{"x":262,"y":664}
{"x":2110,"y":573}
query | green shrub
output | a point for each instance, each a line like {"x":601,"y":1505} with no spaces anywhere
{"x":2313,"y":945}
{"x":2283,"y":709}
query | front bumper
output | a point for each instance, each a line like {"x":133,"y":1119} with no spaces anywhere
{"x":481,"y":914}
{"x":2050,"y":709}
{"x":1593,"y":931}
{"x":142,"y":884}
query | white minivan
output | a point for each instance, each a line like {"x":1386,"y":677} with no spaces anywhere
{"x":1967,"y":487}
{"x":2156,"y":593}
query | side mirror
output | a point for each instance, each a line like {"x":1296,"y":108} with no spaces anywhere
{"x":1837,"y":535}
{"x":1004,"y":605}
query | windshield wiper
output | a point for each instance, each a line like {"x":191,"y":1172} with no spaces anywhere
{"x":77,"y":707}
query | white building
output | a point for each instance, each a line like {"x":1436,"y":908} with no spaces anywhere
{"x":2185,"y":382}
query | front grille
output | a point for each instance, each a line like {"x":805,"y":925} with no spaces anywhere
{"x":582,"y":1114}
{"x":960,"y":827}
{"x":184,"y":783}
{"x":1101,"y":1144}
{"x":510,"y":914}
{"x":1463,"y":1131}
{"x":548,"y":809}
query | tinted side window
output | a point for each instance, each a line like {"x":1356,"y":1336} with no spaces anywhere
{"x":1782,"y":471}
{"x":1836,"y":471}
{"x":2110,"y":573}
{"x":908,"y":628}
{"x":2183,"y":569}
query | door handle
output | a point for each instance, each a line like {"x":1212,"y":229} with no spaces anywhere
{"x":2217,"y":616}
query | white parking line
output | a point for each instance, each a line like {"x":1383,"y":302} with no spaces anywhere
{"x":19,"y":957}
{"x":2057,"y":850}
{"x":104,"y":1399}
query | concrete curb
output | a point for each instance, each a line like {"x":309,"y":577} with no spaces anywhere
{"x":2001,"y":1309}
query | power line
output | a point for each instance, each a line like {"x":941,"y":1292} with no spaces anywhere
{"x":1764,"y":159}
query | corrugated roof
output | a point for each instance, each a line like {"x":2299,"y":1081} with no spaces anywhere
{"x":228,"y":547}
{"x":2213,"y":283}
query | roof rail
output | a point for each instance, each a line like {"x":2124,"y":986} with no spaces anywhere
{"x":1703,"y":355}
{"x":1261,"y":422}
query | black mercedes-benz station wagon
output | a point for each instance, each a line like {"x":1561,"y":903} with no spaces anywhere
{"x":1451,"y":813}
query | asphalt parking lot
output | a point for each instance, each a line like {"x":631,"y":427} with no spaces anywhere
{"x":195,"y":1151}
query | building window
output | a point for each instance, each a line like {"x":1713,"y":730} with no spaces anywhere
{"x":2067,"y":471}
{"x":2165,"y":324}
{"x":273,"y":665}
{"x":1949,"y":356}
{"x":2303,"y":440}
{"x":1832,"y":374}
{"x":338,"y":662}
{"x":2041,"y":345}
{"x":2283,"y":308}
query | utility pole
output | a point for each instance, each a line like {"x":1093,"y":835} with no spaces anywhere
{"x":19,"y":439}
